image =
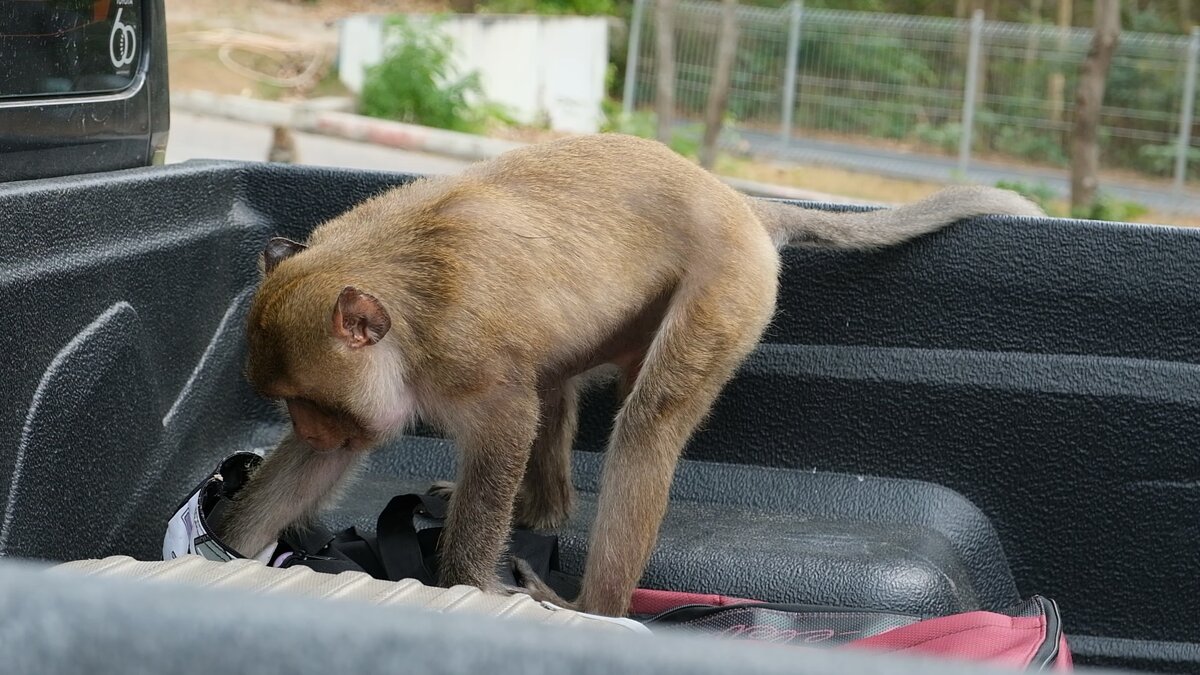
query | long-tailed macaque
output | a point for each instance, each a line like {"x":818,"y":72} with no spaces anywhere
{"x":283,"y":146}
{"x":476,"y":301}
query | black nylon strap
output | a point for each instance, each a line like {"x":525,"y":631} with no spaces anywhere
{"x":539,"y":550}
{"x":399,"y":551}
{"x":398,"y":543}
{"x":396,"y":551}
{"x":434,"y":507}
{"x":361,"y":549}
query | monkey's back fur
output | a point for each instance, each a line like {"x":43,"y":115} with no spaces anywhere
{"x":545,"y":252}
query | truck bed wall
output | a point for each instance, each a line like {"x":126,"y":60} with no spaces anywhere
{"x":1047,"y":370}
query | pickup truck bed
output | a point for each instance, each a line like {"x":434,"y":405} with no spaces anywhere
{"x":1004,"y":408}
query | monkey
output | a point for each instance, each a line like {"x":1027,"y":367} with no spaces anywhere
{"x":476,"y":302}
{"x":283,"y":146}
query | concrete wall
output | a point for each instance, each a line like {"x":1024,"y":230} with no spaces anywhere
{"x":543,"y":69}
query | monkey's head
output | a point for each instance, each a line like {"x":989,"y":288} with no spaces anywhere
{"x":314,"y":343}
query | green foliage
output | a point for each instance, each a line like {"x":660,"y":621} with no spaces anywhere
{"x":1003,"y":136}
{"x":944,"y":136}
{"x":1151,"y":94}
{"x":416,"y":83}
{"x":1151,"y":19}
{"x":685,"y":139}
{"x":1038,"y":193}
{"x":1104,"y":207}
{"x":1158,"y":16}
{"x":550,"y":7}
{"x":916,"y":84}
{"x":639,"y":123}
{"x":1160,"y":159}
{"x":1107,"y":207}
{"x":909,"y":88}
{"x":614,"y":85}
{"x":892,"y":65}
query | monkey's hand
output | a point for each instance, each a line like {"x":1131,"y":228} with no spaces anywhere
{"x":244,"y":533}
{"x":529,"y":583}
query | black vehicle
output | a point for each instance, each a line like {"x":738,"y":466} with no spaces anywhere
{"x":1002,"y":409}
{"x":83,"y":86}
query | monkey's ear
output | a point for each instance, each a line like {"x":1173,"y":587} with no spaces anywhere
{"x":359,"y":320}
{"x":278,"y":250}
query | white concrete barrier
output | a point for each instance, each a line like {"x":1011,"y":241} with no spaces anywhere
{"x":326,"y":116}
{"x":543,"y":69}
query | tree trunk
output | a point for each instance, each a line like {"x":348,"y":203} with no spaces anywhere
{"x":664,"y":97}
{"x":1089,"y":95}
{"x":989,"y":14}
{"x":1185,"y":14}
{"x":463,"y":6}
{"x":722,"y":81}
{"x":1056,"y":87}
{"x":1031,"y":48}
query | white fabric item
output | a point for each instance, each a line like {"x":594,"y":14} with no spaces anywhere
{"x":253,"y":576}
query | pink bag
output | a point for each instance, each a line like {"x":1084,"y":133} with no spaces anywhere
{"x":1027,"y":637}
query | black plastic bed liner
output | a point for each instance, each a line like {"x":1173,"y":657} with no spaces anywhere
{"x":1047,"y":371}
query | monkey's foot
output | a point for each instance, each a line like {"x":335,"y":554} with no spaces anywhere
{"x":441,"y":488}
{"x":545,"y":508}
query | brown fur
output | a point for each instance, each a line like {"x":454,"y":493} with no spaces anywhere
{"x":500,"y":288}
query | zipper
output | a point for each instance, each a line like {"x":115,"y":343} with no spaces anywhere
{"x":779,"y":607}
{"x":1047,"y":653}
{"x":300,"y":555}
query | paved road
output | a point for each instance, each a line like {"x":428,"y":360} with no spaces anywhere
{"x":196,"y":137}
{"x":945,"y":169}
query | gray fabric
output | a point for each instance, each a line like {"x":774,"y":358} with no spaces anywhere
{"x":63,"y":623}
{"x":250,"y":576}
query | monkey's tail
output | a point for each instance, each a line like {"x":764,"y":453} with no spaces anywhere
{"x":788,"y":224}
{"x":529,"y":583}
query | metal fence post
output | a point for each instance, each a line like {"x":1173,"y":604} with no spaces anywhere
{"x":789,"y":75}
{"x":1185,"y":113}
{"x":968,"y":118}
{"x":631,"y":58}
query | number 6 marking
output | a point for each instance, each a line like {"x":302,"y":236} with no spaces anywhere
{"x":123,"y":39}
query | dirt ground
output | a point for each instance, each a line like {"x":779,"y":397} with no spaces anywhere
{"x":297,"y":19}
{"x":294,"y":30}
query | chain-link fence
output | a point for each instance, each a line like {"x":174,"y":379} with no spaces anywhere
{"x":811,"y":83}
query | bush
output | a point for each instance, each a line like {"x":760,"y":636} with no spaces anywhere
{"x":1039,"y":193}
{"x":685,"y":138}
{"x":945,"y":137}
{"x":1160,"y":159}
{"x":1104,"y":207}
{"x":416,"y":83}
{"x":1107,"y":207}
{"x":551,"y":7}
{"x":1036,"y":145}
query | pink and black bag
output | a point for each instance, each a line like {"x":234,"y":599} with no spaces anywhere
{"x":1028,"y":636}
